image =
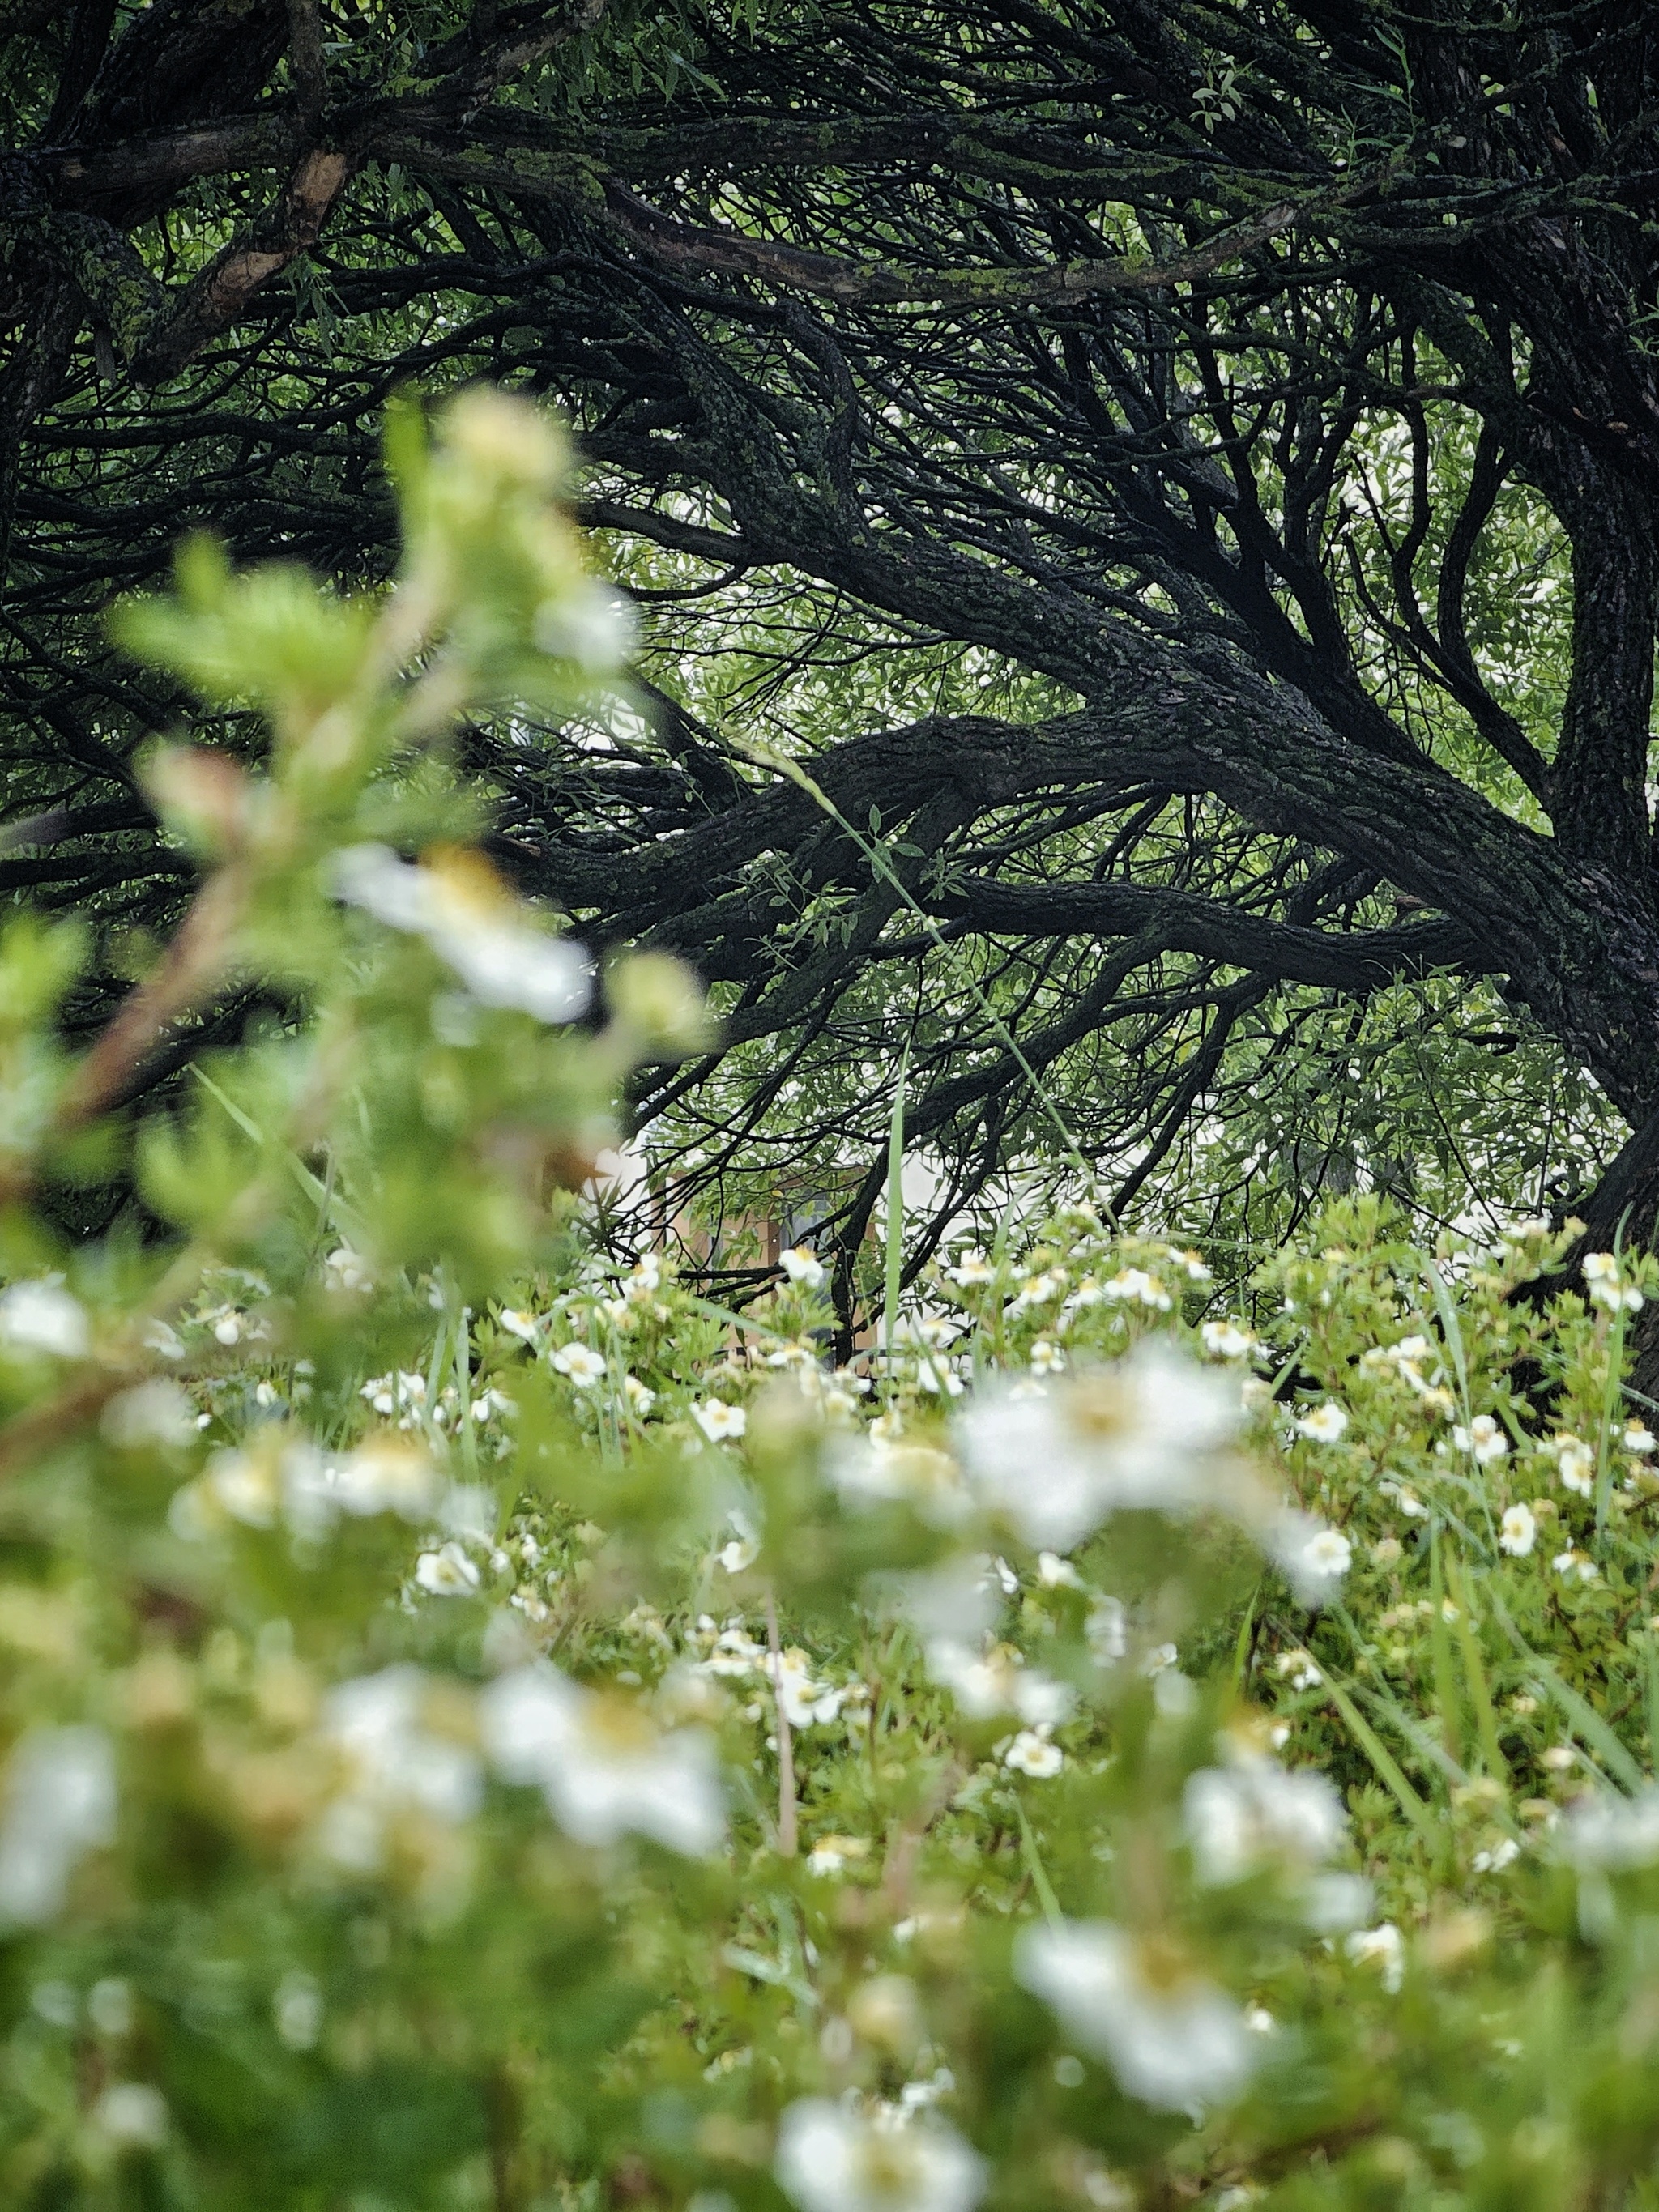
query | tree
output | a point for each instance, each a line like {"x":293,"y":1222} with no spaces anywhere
{"x":1215,"y":446}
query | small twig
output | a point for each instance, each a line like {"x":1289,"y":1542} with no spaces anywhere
{"x":788,"y":1837}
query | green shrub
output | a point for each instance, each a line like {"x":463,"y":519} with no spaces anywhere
{"x":485,"y":1726}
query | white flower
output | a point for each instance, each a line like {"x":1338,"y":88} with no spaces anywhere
{"x":807,"y":1704}
{"x":1613,"y":1833}
{"x":1194,"y":1264}
{"x":738,"y":1555}
{"x":939,"y":1376}
{"x":1056,"y":1573}
{"x":346,"y":1270}
{"x":472,"y":924}
{"x":1574,"y":1463}
{"x":1301,"y":1667}
{"x":583,"y":1366}
{"x":1570,"y":1562}
{"x":1135,"y":1286}
{"x":1325,"y":1425}
{"x":1226,"y":1339}
{"x":644,"y":1278}
{"x":866,"y":1470}
{"x":1638,"y":1437}
{"x":1484,"y":1437}
{"x":59,"y":1804}
{"x":972,"y":1266}
{"x":131,"y":2114}
{"x":1031,"y":1753}
{"x":802,"y":1267}
{"x":640,"y":1397}
{"x":1517,"y":1531}
{"x":446,"y":1572}
{"x":389,"y":1760}
{"x":718,"y":1420}
{"x":1502,"y":1854}
{"x":833,"y":1855}
{"x":1380,"y":1946}
{"x":1133,"y":1436}
{"x":1173,"y":2039}
{"x":833,"y":2158}
{"x":1047,"y":1358}
{"x":1314,"y":1558}
{"x":44,"y":1317}
{"x":523,"y":1326}
{"x":1605,"y":1285}
{"x":602,"y":1766}
{"x":151,"y":1413}
{"x":1255,"y":1813}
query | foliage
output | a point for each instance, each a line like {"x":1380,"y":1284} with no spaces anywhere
{"x":1181,"y":478}
{"x":485,"y":1726}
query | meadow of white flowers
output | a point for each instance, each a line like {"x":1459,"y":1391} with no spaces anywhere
{"x":483,"y":1726}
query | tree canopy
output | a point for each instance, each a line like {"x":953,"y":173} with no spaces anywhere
{"x":1178,"y":480}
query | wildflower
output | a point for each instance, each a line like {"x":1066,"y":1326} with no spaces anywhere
{"x":644,"y":1278}
{"x":389,"y":1760}
{"x":1325,"y":1425}
{"x":44,"y":1317}
{"x":132,"y":2115}
{"x":1605,"y":1286}
{"x":461,"y":910}
{"x":1613,"y":1833}
{"x":866,"y":1470}
{"x":803,"y":1267}
{"x":1314,"y":1558}
{"x":602,"y":1766}
{"x":583,"y":1366}
{"x":1193,"y":1265}
{"x":1483,"y":1438}
{"x":1517,"y":1531}
{"x":523,"y":1326}
{"x":1302,"y":1669}
{"x":1639,"y":1438}
{"x":640,"y":1396}
{"x":833,"y":2158}
{"x":940,"y":1376}
{"x":1135,"y":1286}
{"x":1570,"y":1562}
{"x":397,"y":1393}
{"x":833,"y":1855}
{"x":1031,"y":1753}
{"x":446,"y":1572}
{"x":1226,"y":1339}
{"x":1055,"y":1573}
{"x":346,"y":1270}
{"x":1107,"y":1630}
{"x":151,"y":1413}
{"x":59,"y":1804}
{"x":1047,"y":1358}
{"x":972,"y":1266}
{"x":1257,"y":1813}
{"x":739,"y":1555}
{"x":1574,"y":1463}
{"x":1173,"y":2039}
{"x":1500,"y":1855}
{"x":1380,"y":1946}
{"x":1328,"y":1554}
{"x":718,"y":1420}
{"x":805,"y":1703}
{"x":1133,"y":1436}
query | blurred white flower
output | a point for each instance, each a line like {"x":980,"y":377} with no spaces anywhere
{"x":155,"y":1413}
{"x":346,"y":1270}
{"x":1130,"y":1436}
{"x":640,"y":1396}
{"x":971,"y":1266}
{"x":1517,"y":1532}
{"x":833,"y":1855}
{"x":1314,"y":1558}
{"x":1226,"y":1339}
{"x":831,"y":2157}
{"x":602,"y":1765}
{"x":1047,"y":1358}
{"x":1611,"y":1833}
{"x":296,"y":2011}
{"x":132,"y":2115}
{"x":1173,"y":2039}
{"x":472,"y":924}
{"x":1255,"y":1813}
{"x":1055,"y":1573}
{"x":446,"y":1572}
{"x":1324,"y":1425}
{"x":59,"y":1804}
{"x":802,"y":1267}
{"x":1606,"y":1287}
{"x":1638,"y":1437}
{"x":1484,"y":1437}
{"x":523,"y":1326}
{"x":866,"y":1470}
{"x":44,"y":1317}
{"x":718,"y":1420}
{"x":1382,"y":1948}
{"x":583,"y":1366}
{"x":390,"y":1760}
{"x":807,"y":1704}
{"x":1574,"y":1463}
{"x":1135,"y":1286}
{"x":1031,"y":1753}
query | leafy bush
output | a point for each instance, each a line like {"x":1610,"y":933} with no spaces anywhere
{"x":485,"y":1726}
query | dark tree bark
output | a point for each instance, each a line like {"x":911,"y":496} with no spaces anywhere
{"x":1079,"y":335}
